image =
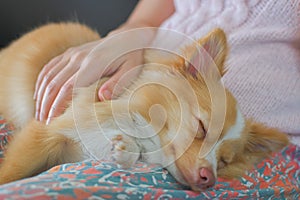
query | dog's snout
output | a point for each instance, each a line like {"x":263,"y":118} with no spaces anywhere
{"x":206,"y":178}
{"x":202,"y":179}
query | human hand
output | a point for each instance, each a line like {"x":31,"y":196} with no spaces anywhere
{"x":81,"y":66}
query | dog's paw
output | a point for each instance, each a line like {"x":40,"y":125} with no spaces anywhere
{"x":124,"y":150}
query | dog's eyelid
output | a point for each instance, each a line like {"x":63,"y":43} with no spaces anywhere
{"x":201,"y":133}
{"x":202,"y":126}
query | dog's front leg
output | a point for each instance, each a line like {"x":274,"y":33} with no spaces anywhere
{"x":125,"y":150}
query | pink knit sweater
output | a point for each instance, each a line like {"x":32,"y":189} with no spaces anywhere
{"x":264,"y":59}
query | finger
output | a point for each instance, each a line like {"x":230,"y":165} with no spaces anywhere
{"x":71,"y":53}
{"x":114,"y":86}
{"x":54,"y":87}
{"x":46,"y":82}
{"x":46,"y":70}
{"x":61,"y":101}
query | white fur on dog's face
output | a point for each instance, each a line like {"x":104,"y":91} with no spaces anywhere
{"x":234,"y":133}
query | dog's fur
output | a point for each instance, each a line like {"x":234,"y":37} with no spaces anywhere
{"x":90,"y":129}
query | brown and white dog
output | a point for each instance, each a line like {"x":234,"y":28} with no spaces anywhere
{"x":133,"y":126}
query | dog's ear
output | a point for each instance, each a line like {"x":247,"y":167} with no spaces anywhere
{"x":208,"y":52}
{"x":262,"y":141}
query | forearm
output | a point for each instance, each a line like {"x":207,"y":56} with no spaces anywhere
{"x":148,"y":13}
{"x":151,"y":13}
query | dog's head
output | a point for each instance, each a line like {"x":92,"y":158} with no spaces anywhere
{"x":198,"y":112}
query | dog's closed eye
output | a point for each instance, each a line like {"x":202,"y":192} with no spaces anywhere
{"x":201,"y":133}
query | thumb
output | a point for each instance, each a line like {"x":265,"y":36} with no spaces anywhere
{"x":104,"y":92}
{"x":116,"y":85}
{"x":112,"y":88}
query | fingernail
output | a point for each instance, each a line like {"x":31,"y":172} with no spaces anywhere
{"x":48,"y":121}
{"x":106,"y":94}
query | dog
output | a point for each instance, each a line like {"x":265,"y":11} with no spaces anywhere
{"x":148,"y":122}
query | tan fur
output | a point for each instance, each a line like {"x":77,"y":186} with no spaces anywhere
{"x":37,"y":147}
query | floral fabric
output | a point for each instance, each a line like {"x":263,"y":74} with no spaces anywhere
{"x":275,"y":178}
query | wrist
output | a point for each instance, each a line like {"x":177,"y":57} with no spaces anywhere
{"x":128,"y":26}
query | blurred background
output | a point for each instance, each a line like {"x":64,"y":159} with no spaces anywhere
{"x":19,"y":16}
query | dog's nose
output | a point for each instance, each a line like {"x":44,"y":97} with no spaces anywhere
{"x":206,"y":178}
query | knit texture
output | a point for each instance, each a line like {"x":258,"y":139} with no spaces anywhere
{"x":264,"y":58}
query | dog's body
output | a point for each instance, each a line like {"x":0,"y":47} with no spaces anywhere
{"x":129,"y":127}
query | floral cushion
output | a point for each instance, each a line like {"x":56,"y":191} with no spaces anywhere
{"x":275,"y":178}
